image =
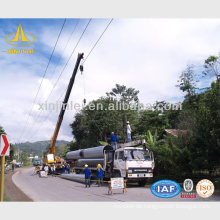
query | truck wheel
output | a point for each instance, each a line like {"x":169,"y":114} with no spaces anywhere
{"x":142,"y":182}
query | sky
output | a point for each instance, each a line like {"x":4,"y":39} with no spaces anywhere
{"x":146,"y":54}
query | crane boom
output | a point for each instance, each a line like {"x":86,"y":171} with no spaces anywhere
{"x":64,"y":104}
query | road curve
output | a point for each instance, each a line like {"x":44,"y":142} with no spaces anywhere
{"x":54,"y":189}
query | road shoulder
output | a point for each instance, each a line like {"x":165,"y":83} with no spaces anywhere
{"x":12,"y":191}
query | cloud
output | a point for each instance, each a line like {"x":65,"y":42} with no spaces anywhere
{"x":146,"y":54}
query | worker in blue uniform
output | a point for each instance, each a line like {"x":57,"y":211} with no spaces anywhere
{"x":87,"y":172}
{"x":100,"y":174}
{"x":114,"y":141}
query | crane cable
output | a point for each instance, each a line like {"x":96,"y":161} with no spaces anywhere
{"x":82,"y":67}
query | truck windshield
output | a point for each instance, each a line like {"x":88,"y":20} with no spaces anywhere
{"x":134,"y":154}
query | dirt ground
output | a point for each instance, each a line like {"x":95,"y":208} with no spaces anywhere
{"x":12,"y":191}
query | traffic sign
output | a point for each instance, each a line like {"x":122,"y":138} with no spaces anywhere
{"x":4,"y":146}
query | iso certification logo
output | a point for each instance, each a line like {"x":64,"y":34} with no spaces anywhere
{"x":205,"y":188}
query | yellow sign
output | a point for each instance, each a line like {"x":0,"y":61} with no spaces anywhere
{"x":24,"y":41}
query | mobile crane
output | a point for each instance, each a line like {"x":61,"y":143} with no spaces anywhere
{"x":50,"y":157}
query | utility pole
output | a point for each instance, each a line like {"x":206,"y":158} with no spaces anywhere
{"x":64,"y":104}
{"x":2,"y":178}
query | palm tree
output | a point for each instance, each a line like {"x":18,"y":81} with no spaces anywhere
{"x":151,"y":140}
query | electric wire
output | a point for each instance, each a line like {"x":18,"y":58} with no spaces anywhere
{"x":93,"y":47}
{"x":66,"y":65}
{"x":97,"y":41}
{"x":58,"y":37}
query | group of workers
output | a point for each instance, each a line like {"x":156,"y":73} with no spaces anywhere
{"x":114,"y":136}
{"x":51,"y":169}
{"x":87,"y":171}
{"x":99,"y":174}
{"x":65,"y":168}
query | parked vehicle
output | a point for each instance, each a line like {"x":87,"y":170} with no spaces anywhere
{"x":18,"y":164}
{"x":37,"y":162}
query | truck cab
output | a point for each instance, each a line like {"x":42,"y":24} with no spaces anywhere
{"x":131,"y":161}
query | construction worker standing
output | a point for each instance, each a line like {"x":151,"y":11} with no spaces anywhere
{"x":128,"y":131}
{"x":100,"y":174}
{"x":114,"y":141}
{"x":46,"y":169}
{"x":53,"y":169}
{"x":68,"y":168}
{"x":87,"y":176}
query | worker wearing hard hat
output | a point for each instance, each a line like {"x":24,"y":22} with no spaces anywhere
{"x":128,"y":131}
{"x":87,"y":176}
{"x":114,"y":141}
{"x":100,"y":174}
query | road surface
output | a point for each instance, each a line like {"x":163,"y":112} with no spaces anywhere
{"x":57,"y":189}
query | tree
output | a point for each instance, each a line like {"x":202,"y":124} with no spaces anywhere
{"x":212,"y":67}
{"x":24,"y":157}
{"x":12,"y":152}
{"x":187,"y":82}
{"x":129,"y":97}
{"x":2,"y":131}
{"x":206,"y":142}
{"x":151,"y":120}
{"x":123,"y":94}
{"x":92,"y":125}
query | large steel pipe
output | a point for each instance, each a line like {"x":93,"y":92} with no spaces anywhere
{"x":94,"y":152}
{"x":90,"y":162}
{"x":76,"y":177}
{"x":88,"y":153}
{"x":74,"y":155}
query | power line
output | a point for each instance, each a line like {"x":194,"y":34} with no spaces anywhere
{"x":65,"y":65}
{"x":98,"y":40}
{"x":70,"y":36}
{"x":25,"y":126}
{"x":69,"y":58}
{"x":82,"y":63}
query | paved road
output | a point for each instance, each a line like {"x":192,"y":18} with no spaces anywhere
{"x":57,"y":189}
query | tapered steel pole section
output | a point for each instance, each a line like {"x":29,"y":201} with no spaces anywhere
{"x":2,"y":178}
{"x":65,"y":101}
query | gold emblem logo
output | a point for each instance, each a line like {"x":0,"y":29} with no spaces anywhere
{"x":24,"y":41}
